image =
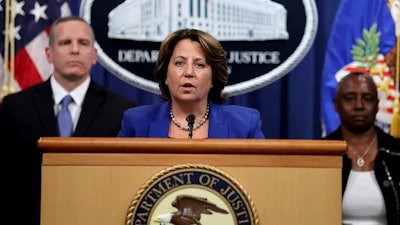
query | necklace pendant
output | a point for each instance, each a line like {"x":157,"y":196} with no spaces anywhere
{"x":360,"y":162}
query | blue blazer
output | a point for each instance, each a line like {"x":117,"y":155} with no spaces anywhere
{"x":225,"y":121}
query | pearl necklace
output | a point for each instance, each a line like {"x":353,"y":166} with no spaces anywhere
{"x":360,"y":159}
{"x":202,"y":121}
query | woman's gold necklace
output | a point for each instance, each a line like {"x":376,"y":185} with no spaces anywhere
{"x":360,"y":159}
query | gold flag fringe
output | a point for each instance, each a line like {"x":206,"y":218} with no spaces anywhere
{"x":9,"y":49}
{"x":395,"y":123}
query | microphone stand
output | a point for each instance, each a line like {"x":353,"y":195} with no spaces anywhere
{"x":190,"y":119}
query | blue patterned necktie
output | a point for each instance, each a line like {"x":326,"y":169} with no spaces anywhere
{"x":64,"y":118}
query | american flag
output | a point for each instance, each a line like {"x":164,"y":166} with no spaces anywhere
{"x":25,"y":26}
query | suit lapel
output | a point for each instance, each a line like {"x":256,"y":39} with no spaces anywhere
{"x":217,"y":126}
{"x":160,"y":127}
{"x":91,"y":103}
{"x":42,"y":97}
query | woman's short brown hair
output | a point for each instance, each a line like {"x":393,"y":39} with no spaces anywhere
{"x":215,"y":57}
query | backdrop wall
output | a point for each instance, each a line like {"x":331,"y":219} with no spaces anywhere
{"x":290,"y":107}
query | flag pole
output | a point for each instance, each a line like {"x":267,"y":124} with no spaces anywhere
{"x":395,"y":123}
{"x":5,"y":89}
{"x":12,"y":49}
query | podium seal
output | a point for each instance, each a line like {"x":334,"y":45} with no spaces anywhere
{"x":192,"y":194}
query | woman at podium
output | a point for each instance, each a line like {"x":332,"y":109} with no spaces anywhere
{"x":191,"y":71}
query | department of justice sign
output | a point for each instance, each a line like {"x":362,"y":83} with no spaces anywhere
{"x":263,"y":39}
{"x":192,"y":194}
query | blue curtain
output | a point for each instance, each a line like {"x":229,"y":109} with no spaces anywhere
{"x":290,"y":107}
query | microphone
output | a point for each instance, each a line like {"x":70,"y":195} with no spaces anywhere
{"x":190,"y":120}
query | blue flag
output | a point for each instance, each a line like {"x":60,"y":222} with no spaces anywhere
{"x":352,"y":19}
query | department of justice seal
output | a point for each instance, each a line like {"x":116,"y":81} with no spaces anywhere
{"x":263,"y":40}
{"x":192,"y":194}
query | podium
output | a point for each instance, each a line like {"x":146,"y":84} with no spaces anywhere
{"x":92,"y":181}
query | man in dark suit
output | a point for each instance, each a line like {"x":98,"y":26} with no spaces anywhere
{"x":32,"y":113}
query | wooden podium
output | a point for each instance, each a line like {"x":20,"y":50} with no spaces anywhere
{"x":92,"y":181}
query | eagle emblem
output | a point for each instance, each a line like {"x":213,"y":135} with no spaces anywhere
{"x":189,"y":211}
